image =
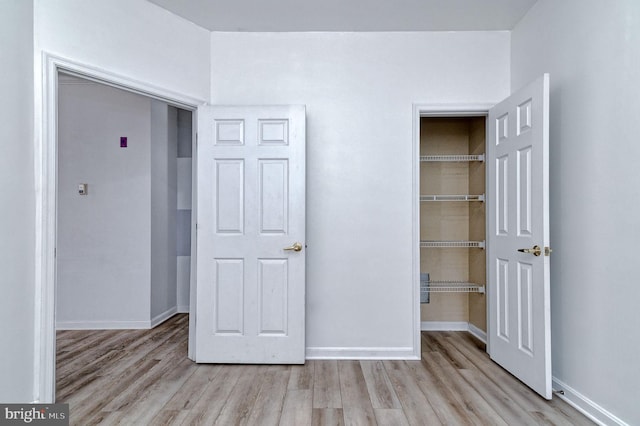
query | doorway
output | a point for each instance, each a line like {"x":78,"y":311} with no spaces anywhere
{"x":124,"y":207}
{"x":517,"y":224}
{"x":452,"y":224}
{"x":447,"y":299}
{"x":123,"y":212}
{"x":46,"y":207}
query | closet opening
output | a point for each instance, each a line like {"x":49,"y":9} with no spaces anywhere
{"x":481,"y":221}
{"x":452,"y":223}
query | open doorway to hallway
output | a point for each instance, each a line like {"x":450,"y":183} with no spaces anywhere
{"x":124,"y":184}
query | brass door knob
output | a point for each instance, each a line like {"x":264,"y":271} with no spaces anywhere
{"x":536,"y":250}
{"x":294,"y":247}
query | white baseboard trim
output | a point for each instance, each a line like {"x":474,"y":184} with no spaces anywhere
{"x":478,"y":333}
{"x":183,"y":309}
{"x":159,"y":319}
{"x":586,"y":406}
{"x":102,"y":325}
{"x":444,"y":326}
{"x":404,"y":353}
{"x":116,"y":325}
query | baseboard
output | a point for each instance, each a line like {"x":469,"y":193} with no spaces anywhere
{"x":444,"y":326}
{"x":159,"y":319}
{"x":183,"y":309}
{"x":102,"y":325}
{"x":116,"y":325}
{"x":583,"y":404}
{"x":404,"y":353}
{"x":454,"y":326}
{"x":478,"y":333}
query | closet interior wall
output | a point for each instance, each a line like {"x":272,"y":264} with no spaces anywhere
{"x":453,"y":220}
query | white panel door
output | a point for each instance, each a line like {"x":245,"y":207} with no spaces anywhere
{"x":518,"y":288}
{"x":250,"y":294}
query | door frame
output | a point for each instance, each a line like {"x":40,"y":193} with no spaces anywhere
{"x":46,"y":168}
{"x":433,"y":110}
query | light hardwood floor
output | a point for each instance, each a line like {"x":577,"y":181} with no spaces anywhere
{"x":143,"y":377}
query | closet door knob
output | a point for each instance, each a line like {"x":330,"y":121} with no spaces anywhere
{"x":536,"y":250}
{"x":294,"y":247}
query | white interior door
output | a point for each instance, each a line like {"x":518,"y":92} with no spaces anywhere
{"x":518,"y":293}
{"x":250,"y":294}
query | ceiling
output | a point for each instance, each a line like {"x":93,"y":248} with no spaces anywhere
{"x":350,"y":15}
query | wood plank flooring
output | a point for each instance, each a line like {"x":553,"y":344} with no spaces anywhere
{"x":143,"y":377}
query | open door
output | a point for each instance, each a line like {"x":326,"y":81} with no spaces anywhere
{"x":518,"y":236}
{"x":250,"y":293}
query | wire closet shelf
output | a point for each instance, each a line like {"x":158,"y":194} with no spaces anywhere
{"x":450,"y":158}
{"x":460,"y":197}
{"x":451,"y":287}
{"x":452,"y":244}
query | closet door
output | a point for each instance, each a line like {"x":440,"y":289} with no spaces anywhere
{"x":518,"y":236}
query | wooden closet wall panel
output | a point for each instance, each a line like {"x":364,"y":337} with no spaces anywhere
{"x":445,"y":220}
{"x":477,"y":223}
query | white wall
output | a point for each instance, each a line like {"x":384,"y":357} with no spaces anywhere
{"x":17,"y":198}
{"x":592,"y":51}
{"x":133,"y":38}
{"x":104,"y":237}
{"x":359,"y":89}
{"x":117,"y":248}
